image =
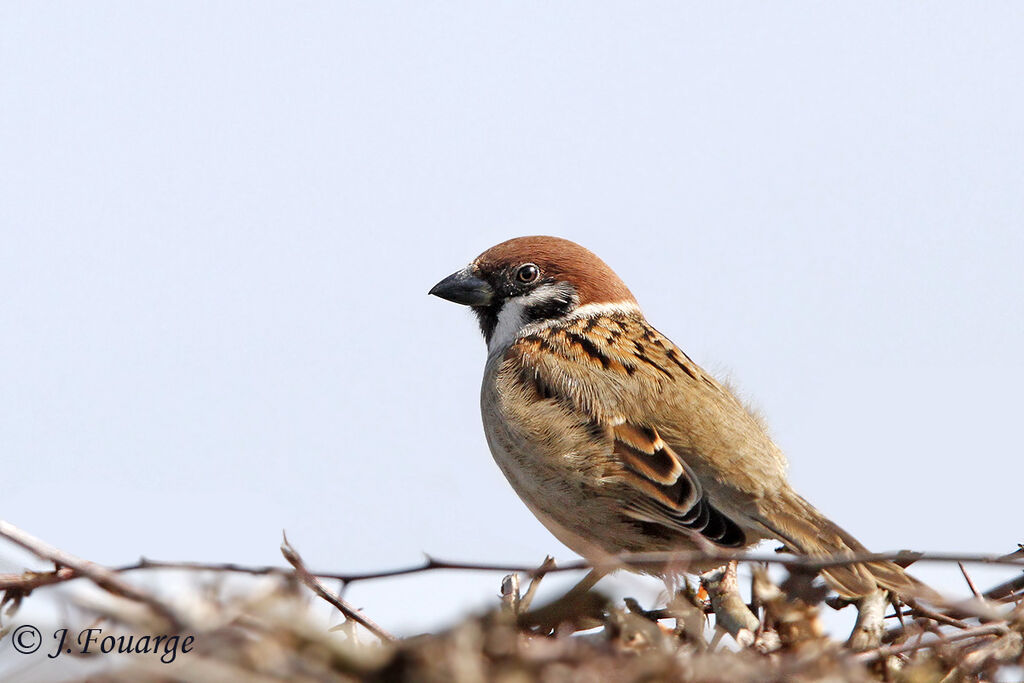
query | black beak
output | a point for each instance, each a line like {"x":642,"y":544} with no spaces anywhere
{"x":464,"y":288}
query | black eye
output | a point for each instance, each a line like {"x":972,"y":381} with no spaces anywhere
{"x":527,"y":273}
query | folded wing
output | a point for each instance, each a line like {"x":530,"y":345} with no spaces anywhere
{"x":666,"y":491}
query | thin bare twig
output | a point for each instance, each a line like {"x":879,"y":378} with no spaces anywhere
{"x":682,"y":559}
{"x":108,"y":579}
{"x":314,"y":584}
{"x":967,"y":578}
{"x":887,"y":650}
{"x":29,"y":580}
{"x":1006,"y":591}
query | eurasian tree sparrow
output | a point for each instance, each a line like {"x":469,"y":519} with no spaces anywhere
{"x":613,"y":437}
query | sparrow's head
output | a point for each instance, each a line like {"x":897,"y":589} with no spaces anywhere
{"x":531,"y":279}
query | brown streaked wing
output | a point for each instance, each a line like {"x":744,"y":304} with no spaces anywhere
{"x":665,"y":490}
{"x":668,"y":491}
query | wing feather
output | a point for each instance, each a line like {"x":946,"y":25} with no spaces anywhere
{"x":660,"y":486}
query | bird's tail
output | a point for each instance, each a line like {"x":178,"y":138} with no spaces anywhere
{"x":806,"y":531}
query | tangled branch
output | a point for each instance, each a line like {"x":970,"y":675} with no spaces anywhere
{"x":965,"y":637}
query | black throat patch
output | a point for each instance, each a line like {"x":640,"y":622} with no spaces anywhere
{"x":548,"y":300}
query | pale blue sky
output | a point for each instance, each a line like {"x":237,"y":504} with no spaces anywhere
{"x":220,"y":221}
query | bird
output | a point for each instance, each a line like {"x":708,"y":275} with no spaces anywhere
{"x":614,"y":438}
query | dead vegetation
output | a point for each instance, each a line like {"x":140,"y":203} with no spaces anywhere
{"x":704,"y":632}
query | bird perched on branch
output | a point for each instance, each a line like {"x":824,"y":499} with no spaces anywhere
{"x":613,"y":437}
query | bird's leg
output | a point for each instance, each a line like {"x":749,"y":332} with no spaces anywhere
{"x":867,"y":632}
{"x":542,"y":570}
{"x":578,"y":605}
{"x":731,"y":613}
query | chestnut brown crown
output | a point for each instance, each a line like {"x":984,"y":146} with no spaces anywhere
{"x":559,"y":260}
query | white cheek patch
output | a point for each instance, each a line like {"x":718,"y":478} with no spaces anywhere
{"x":513,"y":318}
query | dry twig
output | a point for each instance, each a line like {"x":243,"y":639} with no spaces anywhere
{"x":108,"y":579}
{"x":314,"y":584}
{"x":682,"y":559}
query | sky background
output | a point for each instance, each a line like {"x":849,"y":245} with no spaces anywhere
{"x":220,"y":221}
